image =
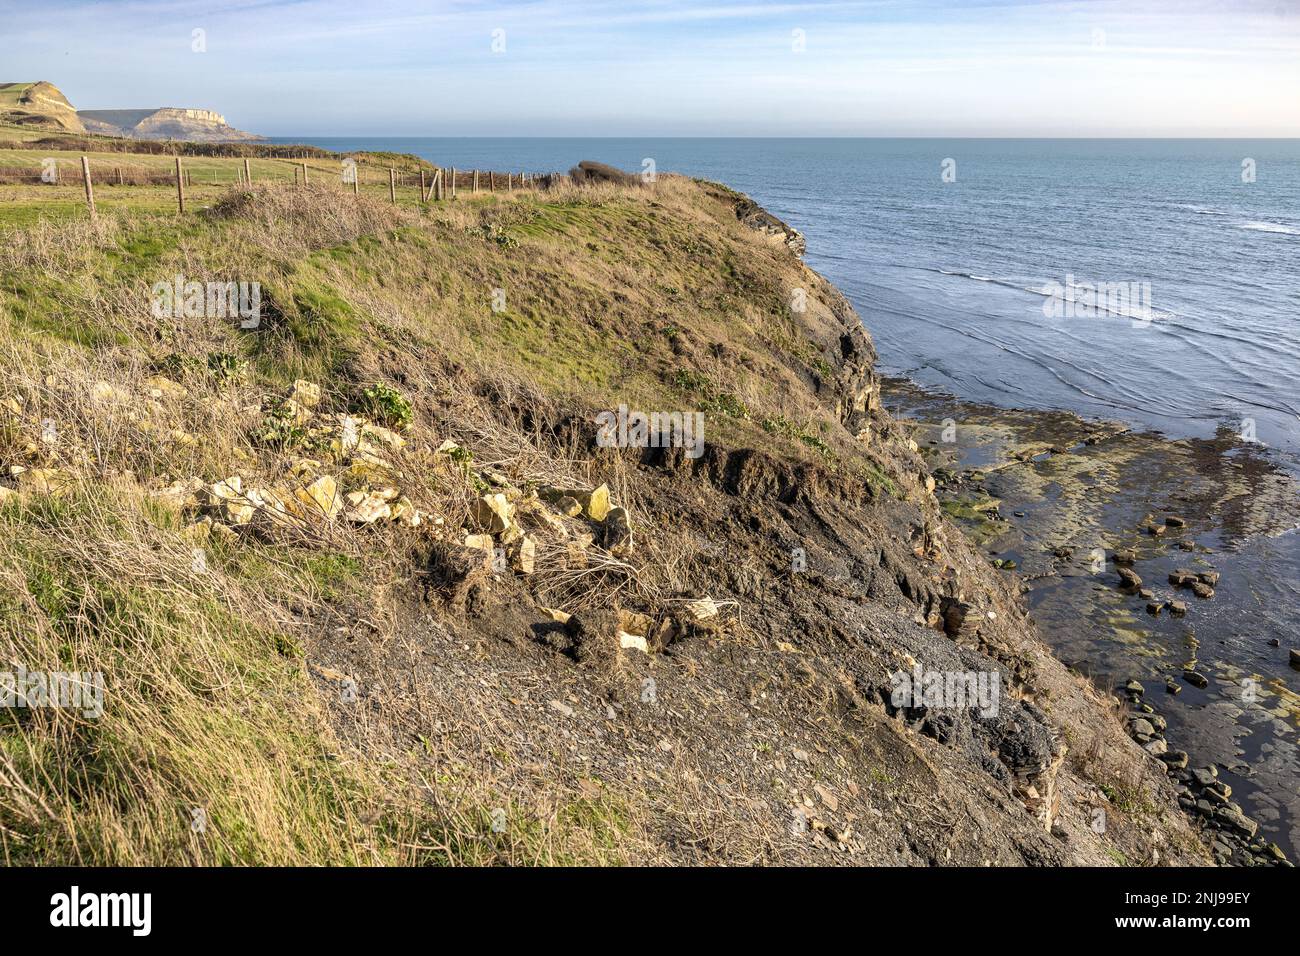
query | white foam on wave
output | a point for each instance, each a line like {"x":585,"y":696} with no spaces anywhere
{"x":1274,"y":227}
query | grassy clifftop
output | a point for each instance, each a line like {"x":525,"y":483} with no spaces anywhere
{"x":363,"y":585}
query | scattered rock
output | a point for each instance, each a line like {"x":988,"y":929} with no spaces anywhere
{"x":304,"y":393}
{"x":1174,"y":521}
{"x":367,"y":507}
{"x":494,"y":513}
{"x":1175,"y":759}
{"x":1204,"y":776}
{"x":1238,"y":821}
{"x":618,"y":531}
{"x":1196,"y":679}
{"x":595,"y":502}
{"x":322,"y":496}
{"x":1128,"y":578}
{"x":523,"y":555}
{"x":702,"y":609}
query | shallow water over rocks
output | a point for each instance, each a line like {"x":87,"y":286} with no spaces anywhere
{"x":1056,"y":497}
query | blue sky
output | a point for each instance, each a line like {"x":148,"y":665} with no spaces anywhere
{"x":673,"y":68}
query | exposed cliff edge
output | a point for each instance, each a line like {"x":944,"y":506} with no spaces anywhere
{"x":42,"y":105}
{"x":188,"y":125}
{"x":441,"y":614}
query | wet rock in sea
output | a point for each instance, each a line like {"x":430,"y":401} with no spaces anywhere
{"x":1133,"y":687}
{"x":1154,"y":608}
{"x":1125,"y":556}
{"x":1274,"y":642}
{"x":1208,"y":577}
{"x":1202,"y":590}
{"x":1141,"y":727}
{"x":1156,"y":530}
{"x":1196,"y":679}
{"x":1182,"y":577}
{"x":1128,"y":578}
{"x":1204,"y":776}
{"x":1217,"y":792}
{"x":1295,"y":657}
{"x":1238,"y":821}
{"x":1172,"y":687}
{"x":1174,"y":521}
{"x":1186,"y":545}
{"x":1175,"y":759}
{"x":1177,"y":608}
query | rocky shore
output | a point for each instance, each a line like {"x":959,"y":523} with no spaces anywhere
{"x":1140,"y":555}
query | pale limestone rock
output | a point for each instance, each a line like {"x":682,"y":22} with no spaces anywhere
{"x":367,"y":507}
{"x":304,"y":393}
{"x":494,"y":513}
{"x":595,"y":502}
{"x":523,"y":555}
{"x":322,"y":496}
{"x":109,"y":394}
{"x":40,"y":481}
{"x":633,"y":641}
{"x":160,"y":387}
{"x":702,"y":609}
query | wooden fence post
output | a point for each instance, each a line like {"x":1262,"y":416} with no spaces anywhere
{"x":453,"y":182}
{"x":392,"y":186}
{"x":423,"y":184}
{"x":119,"y":176}
{"x":248,"y":174}
{"x":90,"y":191}
{"x":304,"y":174}
{"x":474,"y":189}
{"x":492,"y":181}
{"x":180,"y":186}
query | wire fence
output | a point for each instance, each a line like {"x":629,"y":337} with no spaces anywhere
{"x":435,"y":184}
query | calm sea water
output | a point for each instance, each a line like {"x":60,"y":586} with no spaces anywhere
{"x":949,"y":278}
{"x":949,"y":275}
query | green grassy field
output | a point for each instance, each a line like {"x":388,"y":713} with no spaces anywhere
{"x":24,"y":204}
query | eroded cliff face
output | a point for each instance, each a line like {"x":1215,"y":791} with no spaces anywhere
{"x":40,"y":105}
{"x":769,"y":646}
{"x":187,"y":125}
{"x":782,"y":726}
